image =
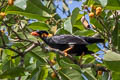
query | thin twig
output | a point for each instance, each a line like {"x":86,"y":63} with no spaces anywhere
{"x":5,"y":47}
{"x":30,"y":48}
{"x":97,"y":57}
{"x":16,"y":51}
{"x":15,"y":56}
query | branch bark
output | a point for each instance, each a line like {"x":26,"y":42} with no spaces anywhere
{"x":57,"y":75}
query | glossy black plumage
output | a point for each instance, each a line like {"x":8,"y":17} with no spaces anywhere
{"x":63,"y":42}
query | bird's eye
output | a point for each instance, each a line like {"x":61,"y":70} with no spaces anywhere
{"x":44,"y":35}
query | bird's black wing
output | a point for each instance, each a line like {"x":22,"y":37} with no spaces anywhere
{"x":91,"y":40}
{"x":68,"y":39}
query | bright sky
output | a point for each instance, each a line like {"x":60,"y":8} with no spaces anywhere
{"x":72,"y":5}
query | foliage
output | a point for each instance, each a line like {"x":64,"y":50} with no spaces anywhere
{"x":24,"y":57}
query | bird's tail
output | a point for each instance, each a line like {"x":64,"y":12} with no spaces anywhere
{"x":93,"y":40}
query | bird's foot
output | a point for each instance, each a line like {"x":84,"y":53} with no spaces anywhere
{"x":65,"y":53}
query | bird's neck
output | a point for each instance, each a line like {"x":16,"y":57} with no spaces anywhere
{"x":45,"y":39}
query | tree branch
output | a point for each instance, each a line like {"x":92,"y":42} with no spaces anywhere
{"x":61,"y":53}
{"x":97,"y":57}
{"x":30,"y":48}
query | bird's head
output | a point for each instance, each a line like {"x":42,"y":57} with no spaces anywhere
{"x":41,"y":34}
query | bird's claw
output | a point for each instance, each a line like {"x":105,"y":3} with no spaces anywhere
{"x":65,"y":54}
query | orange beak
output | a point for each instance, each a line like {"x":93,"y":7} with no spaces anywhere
{"x":34,"y":34}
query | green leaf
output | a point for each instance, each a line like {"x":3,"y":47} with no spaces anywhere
{"x":5,"y":38}
{"x":16,"y":10}
{"x":21,"y":4}
{"x":87,"y":59}
{"x":38,"y":57}
{"x":103,"y":2}
{"x":33,"y":74}
{"x":93,"y":47}
{"x":28,"y":61}
{"x":6,"y":65}
{"x":89,"y":76}
{"x":1,"y":43}
{"x":111,"y":56}
{"x":31,"y":67}
{"x":112,"y":8}
{"x":85,"y":33}
{"x":4,"y":57}
{"x":113,"y":5}
{"x":62,"y":31}
{"x":52,"y":55}
{"x":64,"y":76}
{"x":115,"y":75}
{"x":38,"y":26}
{"x":68,"y":65}
{"x":36,"y":6}
{"x":119,"y":42}
{"x":9,"y":55}
{"x":43,"y":73}
{"x":71,"y":74}
{"x":96,"y":23}
{"x":105,"y":76}
{"x":9,"y":52}
{"x":68,"y":25}
{"x":118,"y":36}
{"x":12,"y":73}
{"x":112,"y":60}
{"x":78,"y":24}
{"x":115,"y":37}
{"x":90,"y":2}
{"x":74,"y":16}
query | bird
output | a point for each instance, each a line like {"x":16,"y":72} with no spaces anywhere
{"x":69,"y":44}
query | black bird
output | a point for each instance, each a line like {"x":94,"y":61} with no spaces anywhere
{"x":70,"y":44}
